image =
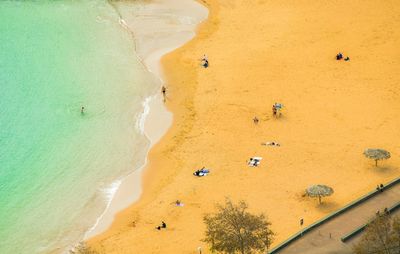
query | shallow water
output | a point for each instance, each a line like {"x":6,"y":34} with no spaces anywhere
{"x":57,"y":165}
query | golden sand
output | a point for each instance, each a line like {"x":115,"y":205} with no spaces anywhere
{"x":262,"y":52}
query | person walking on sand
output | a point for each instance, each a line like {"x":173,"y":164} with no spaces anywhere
{"x":164,"y":92}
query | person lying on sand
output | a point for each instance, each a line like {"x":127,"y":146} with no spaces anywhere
{"x":272,"y":143}
{"x":201,"y":172}
{"x":254,"y":161}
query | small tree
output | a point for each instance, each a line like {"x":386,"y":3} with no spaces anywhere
{"x":319,"y":191}
{"x":234,"y":230}
{"x":382,"y":236}
{"x":377,"y":154}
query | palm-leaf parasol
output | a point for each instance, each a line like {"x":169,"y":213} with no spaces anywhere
{"x":376,"y":154}
{"x":319,"y":191}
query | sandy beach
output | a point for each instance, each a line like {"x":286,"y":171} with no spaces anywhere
{"x":260,"y":53}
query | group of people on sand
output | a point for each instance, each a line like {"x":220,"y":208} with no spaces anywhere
{"x":275,"y":112}
{"x":339,"y":57}
{"x":163,"y":225}
{"x":276,"y":109}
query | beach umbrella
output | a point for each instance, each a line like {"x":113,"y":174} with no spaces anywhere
{"x":376,"y":154}
{"x":319,"y":191}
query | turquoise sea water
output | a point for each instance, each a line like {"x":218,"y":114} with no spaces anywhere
{"x":57,"y":165}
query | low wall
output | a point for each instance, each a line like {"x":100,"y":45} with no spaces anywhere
{"x":361,"y":228}
{"x":331,"y":216}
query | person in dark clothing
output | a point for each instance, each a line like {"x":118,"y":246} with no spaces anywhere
{"x":255,"y":120}
{"x":205,"y":63}
{"x":163,"y":225}
{"x":339,"y":56}
{"x":164,"y":92}
{"x":274,"y":110}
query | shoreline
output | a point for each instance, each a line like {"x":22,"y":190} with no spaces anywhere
{"x":154,"y":122}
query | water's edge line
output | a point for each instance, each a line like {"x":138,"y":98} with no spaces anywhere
{"x":140,"y":119}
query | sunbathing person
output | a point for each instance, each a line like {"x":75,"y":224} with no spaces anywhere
{"x":254,"y":162}
{"x":201,"y":172}
{"x":272,"y":143}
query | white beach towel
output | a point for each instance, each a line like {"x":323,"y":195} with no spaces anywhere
{"x":254,"y":161}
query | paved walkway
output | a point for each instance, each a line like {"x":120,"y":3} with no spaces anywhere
{"x":318,"y":241}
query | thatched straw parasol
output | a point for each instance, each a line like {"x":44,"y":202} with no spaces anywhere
{"x":319,"y":191}
{"x":376,"y":154}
